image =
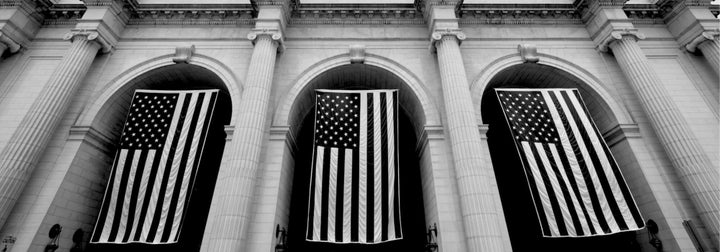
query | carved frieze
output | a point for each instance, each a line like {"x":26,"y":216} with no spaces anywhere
{"x":357,"y":16}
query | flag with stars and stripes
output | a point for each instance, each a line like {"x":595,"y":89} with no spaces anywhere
{"x":354,"y":186}
{"x":576,"y":185}
{"x":154,"y":169}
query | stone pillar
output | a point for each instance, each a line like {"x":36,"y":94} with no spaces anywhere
{"x":236,"y":180}
{"x":694,"y":168}
{"x":480,"y":218}
{"x":27,"y":143}
{"x":709,"y":43}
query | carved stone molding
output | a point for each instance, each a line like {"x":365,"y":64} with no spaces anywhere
{"x":91,"y":35}
{"x":439,"y":35}
{"x":620,"y":133}
{"x":400,"y":15}
{"x":357,"y":54}
{"x":528,"y":53}
{"x":157,"y":16}
{"x":483,"y":129}
{"x":617,"y":35}
{"x":273,"y":34}
{"x":12,"y":46}
{"x":705,"y":36}
{"x":92,"y":137}
{"x":183,"y":54}
{"x":519,"y":14}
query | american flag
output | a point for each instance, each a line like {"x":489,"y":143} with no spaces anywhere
{"x":354,"y":184}
{"x":576,"y":185}
{"x":153,"y":172}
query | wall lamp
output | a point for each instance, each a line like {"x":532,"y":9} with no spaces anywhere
{"x":431,"y":244}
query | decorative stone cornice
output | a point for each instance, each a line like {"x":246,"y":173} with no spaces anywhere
{"x":91,"y":35}
{"x":274,"y":35}
{"x":439,"y":35}
{"x":183,"y":54}
{"x":404,"y":14}
{"x":617,"y":35}
{"x":519,"y":14}
{"x":621,"y":132}
{"x":91,"y":136}
{"x":192,"y":15}
{"x":12,"y":46}
{"x":704,"y":36}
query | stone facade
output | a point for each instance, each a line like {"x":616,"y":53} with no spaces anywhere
{"x":648,"y":71}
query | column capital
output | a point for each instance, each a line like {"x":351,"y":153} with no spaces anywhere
{"x":274,"y":34}
{"x":619,"y":34}
{"x":91,"y":35}
{"x":9,"y":42}
{"x":440,"y":35}
{"x":704,"y":36}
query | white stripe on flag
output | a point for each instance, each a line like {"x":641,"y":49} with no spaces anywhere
{"x":332,"y":193}
{"x":127,"y":197}
{"x":377,"y":163}
{"x":572,"y":161}
{"x":573,"y":198}
{"x":607,"y":212}
{"x":347,"y":195}
{"x":560,"y":197}
{"x":110,"y":217}
{"x":391,"y":163}
{"x":317,"y":210}
{"x":200,"y":125}
{"x":161,"y":168}
{"x":544,"y":197}
{"x":141,"y":192}
{"x":603,"y":157}
{"x":362,"y":181}
{"x":176,"y":161}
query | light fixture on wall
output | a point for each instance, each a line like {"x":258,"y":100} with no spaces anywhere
{"x":8,"y":242}
{"x":653,"y":229}
{"x":77,"y":239}
{"x":54,"y":235}
{"x":431,"y":244}
{"x":281,"y":235}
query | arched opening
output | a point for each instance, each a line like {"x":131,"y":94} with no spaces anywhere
{"x":109,"y":122}
{"x":519,"y":211}
{"x":412,"y":208}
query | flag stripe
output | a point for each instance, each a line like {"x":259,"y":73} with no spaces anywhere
{"x":363,"y":162}
{"x":576,"y":185}
{"x":147,"y":169}
{"x":389,"y":163}
{"x":347,"y":196}
{"x":128,"y":194}
{"x":377,"y":163}
{"x":396,"y":167}
{"x":332,"y":194}
{"x":113,"y":197}
{"x":318,"y":191}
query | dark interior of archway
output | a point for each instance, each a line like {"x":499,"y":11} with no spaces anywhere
{"x":184,"y":77}
{"x":411,"y":198}
{"x":520,"y":216}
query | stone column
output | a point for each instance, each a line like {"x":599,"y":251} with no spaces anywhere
{"x":236,"y":183}
{"x":693,"y":165}
{"x":480,"y":217}
{"x":26,"y":145}
{"x":709,"y":43}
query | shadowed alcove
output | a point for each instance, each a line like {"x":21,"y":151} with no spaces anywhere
{"x":410,"y":122}
{"x":109,"y":122}
{"x":520,"y":215}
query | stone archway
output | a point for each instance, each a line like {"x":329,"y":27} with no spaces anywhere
{"x":411,"y":122}
{"x":520,"y":215}
{"x":92,"y":147}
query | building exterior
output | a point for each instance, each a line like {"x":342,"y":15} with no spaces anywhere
{"x":647,"y":70}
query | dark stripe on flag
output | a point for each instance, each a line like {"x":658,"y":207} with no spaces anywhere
{"x":108,"y":193}
{"x":573,"y":184}
{"x":325,"y":195}
{"x":354,"y":222}
{"x":370,"y":167}
{"x":340,"y":193}
{"x":396,"y":181}
{"x":148,"y":195}
{"x":120,"y":197}
{"x":551,"y":193}
{"x":311,"y":194}
{"x":384,"y":160}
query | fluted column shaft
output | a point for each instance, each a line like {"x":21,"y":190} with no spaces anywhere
{"x":693,"y":165}
{"x":711,"y":50}
{"x":471,"y":171}
{"x":26,"y":145}
{"x":236,"y":182}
